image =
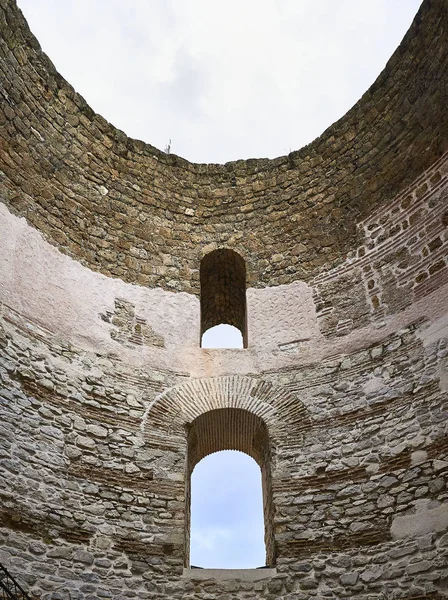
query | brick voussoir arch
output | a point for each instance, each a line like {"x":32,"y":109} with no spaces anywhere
{"x":234,"y":412}
{"x":177,"y":407}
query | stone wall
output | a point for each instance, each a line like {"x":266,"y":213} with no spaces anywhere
{"x":402,"y":258}
{"x":93,"y":479}
{"x":128,"y":210}
{"x":101,"y":373}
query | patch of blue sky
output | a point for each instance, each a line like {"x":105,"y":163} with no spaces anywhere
{"x":222,"y":336}
{"x":227,"y":524}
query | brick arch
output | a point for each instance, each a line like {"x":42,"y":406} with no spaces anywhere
{"x":173,"y":410}
{"x":202,"y":416}
{"x":227,"y":429}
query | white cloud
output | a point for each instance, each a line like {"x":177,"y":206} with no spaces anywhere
{"x":227,"y":528}
{"x":222,"y":80}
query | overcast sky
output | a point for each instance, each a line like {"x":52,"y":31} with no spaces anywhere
{"x":223,"y":81}
{"x":227,"y":526}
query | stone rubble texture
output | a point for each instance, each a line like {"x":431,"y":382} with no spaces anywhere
{"x":341,"y":394}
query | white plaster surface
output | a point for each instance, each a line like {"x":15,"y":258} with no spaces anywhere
{"x":436,"y":330}
{"x":66,"y":299}
{"x":426,"y":519}
{"x":281,"y":315}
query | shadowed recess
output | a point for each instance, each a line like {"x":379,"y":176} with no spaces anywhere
{"x":223,"y":291}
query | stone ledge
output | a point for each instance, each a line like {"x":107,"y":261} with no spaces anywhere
{"x":222,"y":574}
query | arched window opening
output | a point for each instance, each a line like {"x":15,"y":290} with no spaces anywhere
{"x":231,"y":429}
{"x":223,"y":291}
{"x":227,"y":528}
{"x":222,"y":336}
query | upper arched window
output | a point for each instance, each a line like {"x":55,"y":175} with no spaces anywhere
{"x":223,"y":291}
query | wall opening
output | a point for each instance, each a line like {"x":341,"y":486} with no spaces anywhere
{"x":227,"y":525}
{"x":232,"y":429}
{"x":222,"y":336}
{"x":223,"y":291}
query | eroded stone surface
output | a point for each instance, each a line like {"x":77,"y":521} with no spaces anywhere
{"x":130,"y":211}
{"x":428,"y":518}
{"x":101,"y":373}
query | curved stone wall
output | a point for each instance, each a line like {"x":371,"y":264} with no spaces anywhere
{"x":101,"y":373}
{"x":126,"y":209}
{"x":92,"y":504}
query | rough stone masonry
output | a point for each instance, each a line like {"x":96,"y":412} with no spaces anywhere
{"x":333,"y":263}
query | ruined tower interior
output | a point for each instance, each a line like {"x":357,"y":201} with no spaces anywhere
{"x":332,"y":262}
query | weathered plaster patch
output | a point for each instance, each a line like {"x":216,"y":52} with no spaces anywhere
{"x":64,"y":299}
{"x":443,"y":372}
{"x":39,"y":282}
{"x":425,"y":520}
{"x":130,"y":329}
{"x":281,"y":315}
{"x":436,"y":330}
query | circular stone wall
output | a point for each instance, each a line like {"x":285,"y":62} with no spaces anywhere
{"x":345,"y":370}
{"x":130,"y":211}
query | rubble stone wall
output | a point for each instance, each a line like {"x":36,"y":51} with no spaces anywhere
{"x":102,"y":374}
{"x":128,"y":210}
{"x":93,"y":479}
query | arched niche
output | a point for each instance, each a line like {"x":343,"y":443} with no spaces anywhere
{"x":223,"y":291}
